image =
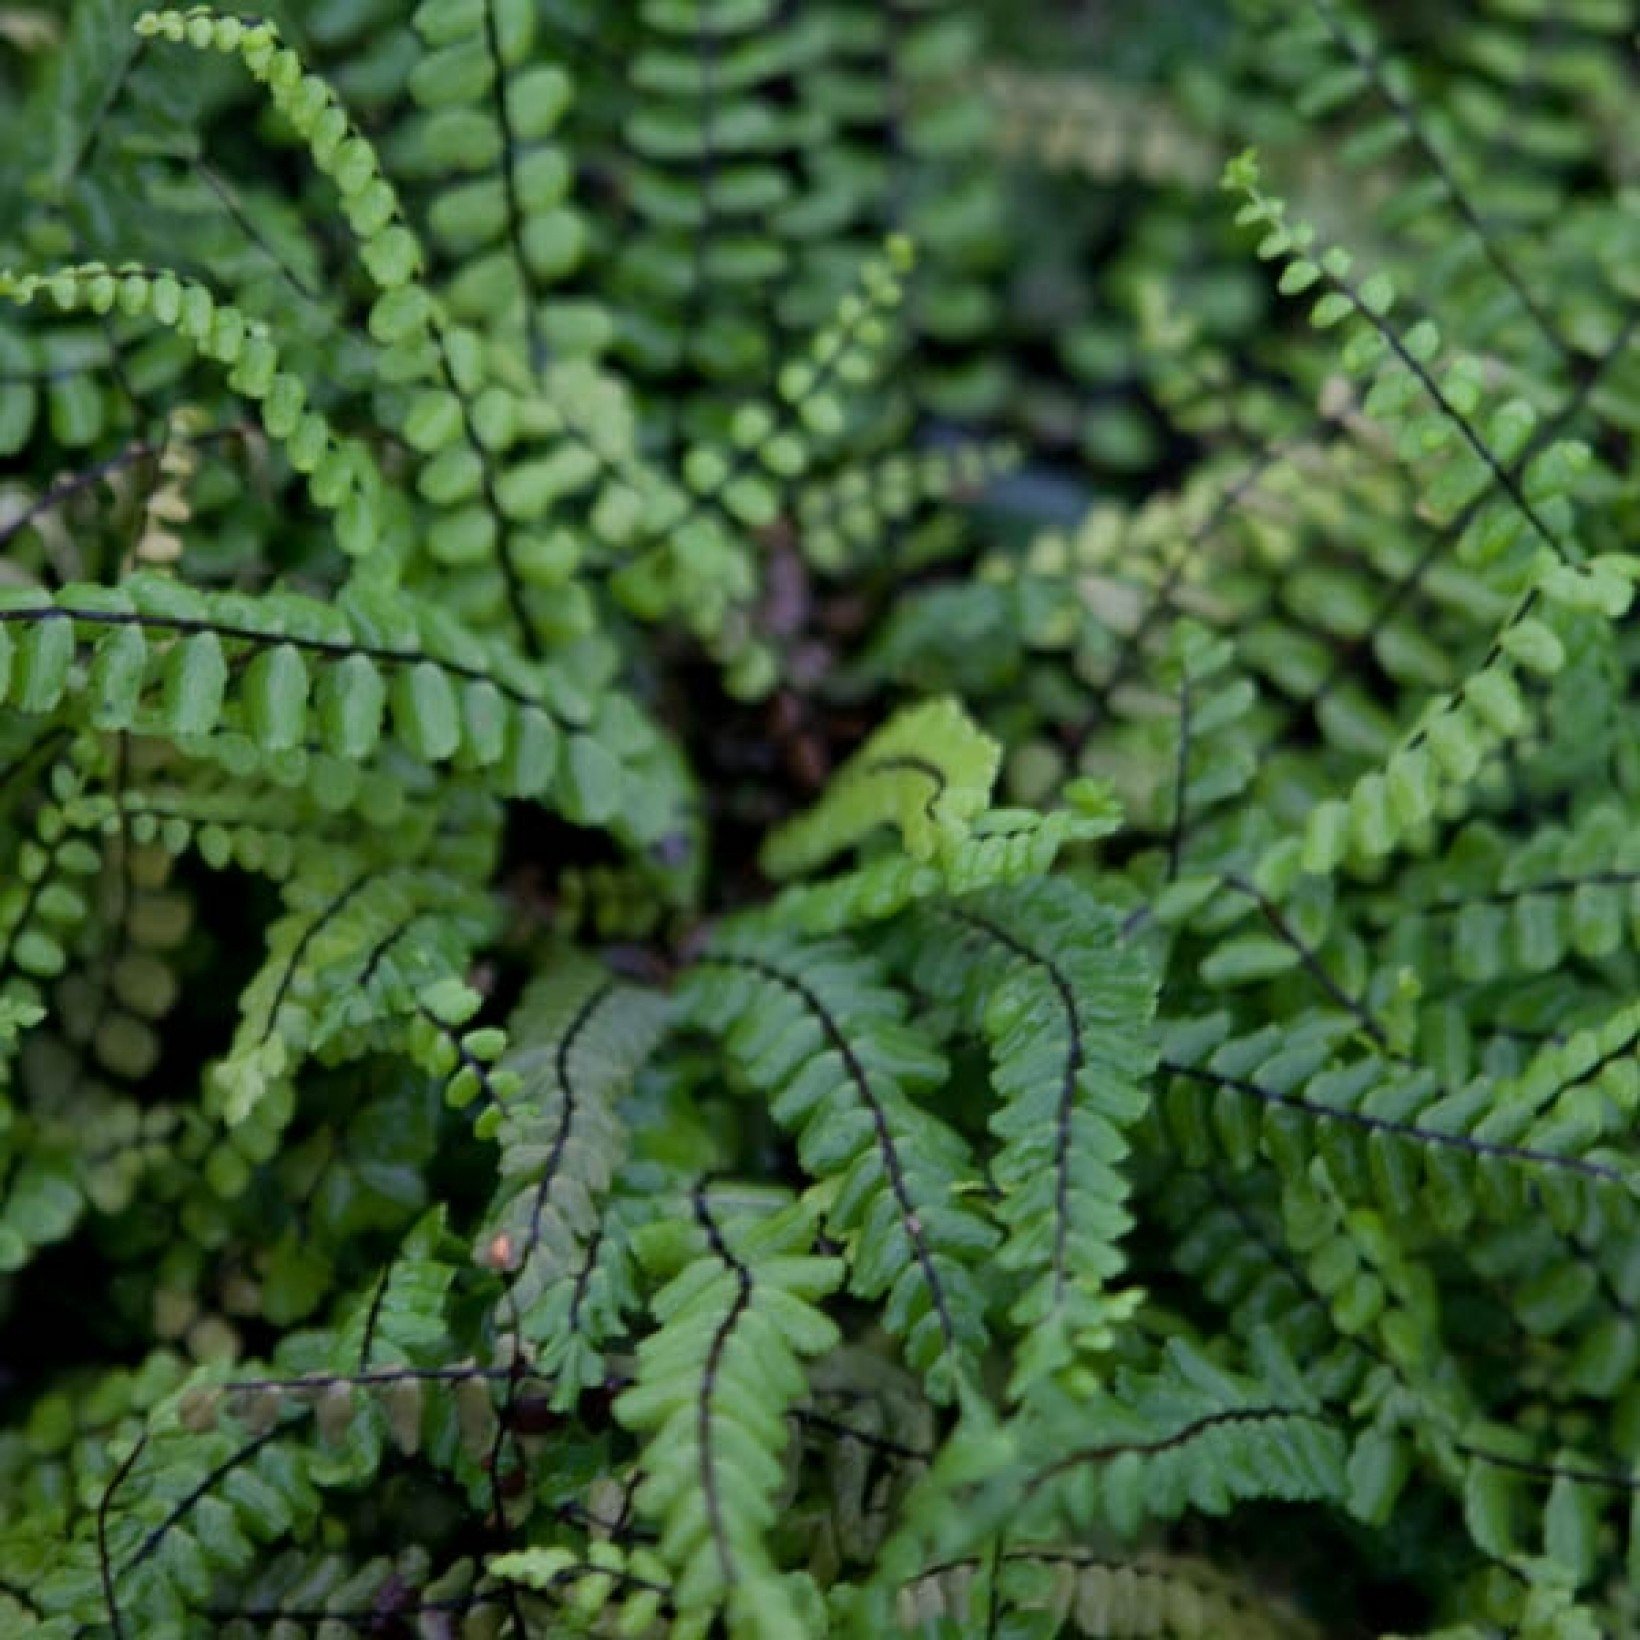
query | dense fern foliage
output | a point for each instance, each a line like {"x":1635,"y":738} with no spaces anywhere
{"x":819,"y":819}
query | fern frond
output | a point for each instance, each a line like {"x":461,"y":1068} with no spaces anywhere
{"x":605,"y":1588}
{"x":577,"y":1039}
{"x":816,"y":1031}
{"x":1107,"y":1597}
{"x":341,"y":474}
{"x":1190,"y":1436}
{"x":1004,"y":846}
{"x":712,"y":1389}
{"x":501,"y":211}
{"x":1065,"y":1009}
{"x":1396,"y":1133}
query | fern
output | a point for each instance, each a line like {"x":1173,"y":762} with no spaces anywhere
{"x":790,"y":843}
{"x":576,"y":1040}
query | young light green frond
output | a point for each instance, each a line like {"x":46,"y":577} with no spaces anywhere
{"x":929,"y":771}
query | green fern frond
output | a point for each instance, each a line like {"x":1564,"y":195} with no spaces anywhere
{"x":1065,"y":1010}
{"x":577,"y":1039}
{"x":712,"y":1388}
{"x":929,"y":771}
{"x":816,"y":1031}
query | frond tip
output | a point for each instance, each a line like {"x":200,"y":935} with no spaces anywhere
{"x":928,"y":771}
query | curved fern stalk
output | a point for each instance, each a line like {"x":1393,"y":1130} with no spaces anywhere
{"x":815,"y":1030}
{"x":521,"y":431}
{"x":341,"y":474}
{"x":713,"y":1388}
{"x":1066,"y":1011}
{"x":410,"y":995}
{"x":1187,"y":1436}
{"x":1146,"y":1447}
{"x":180,"y":1508}
{"x":388,"y":247}
{"x":577,"y":1039}
{"x":441,"y":1010}
{"x":1404,"y":369}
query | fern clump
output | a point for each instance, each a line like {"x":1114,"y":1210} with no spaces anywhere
{"x":819,"y":820}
